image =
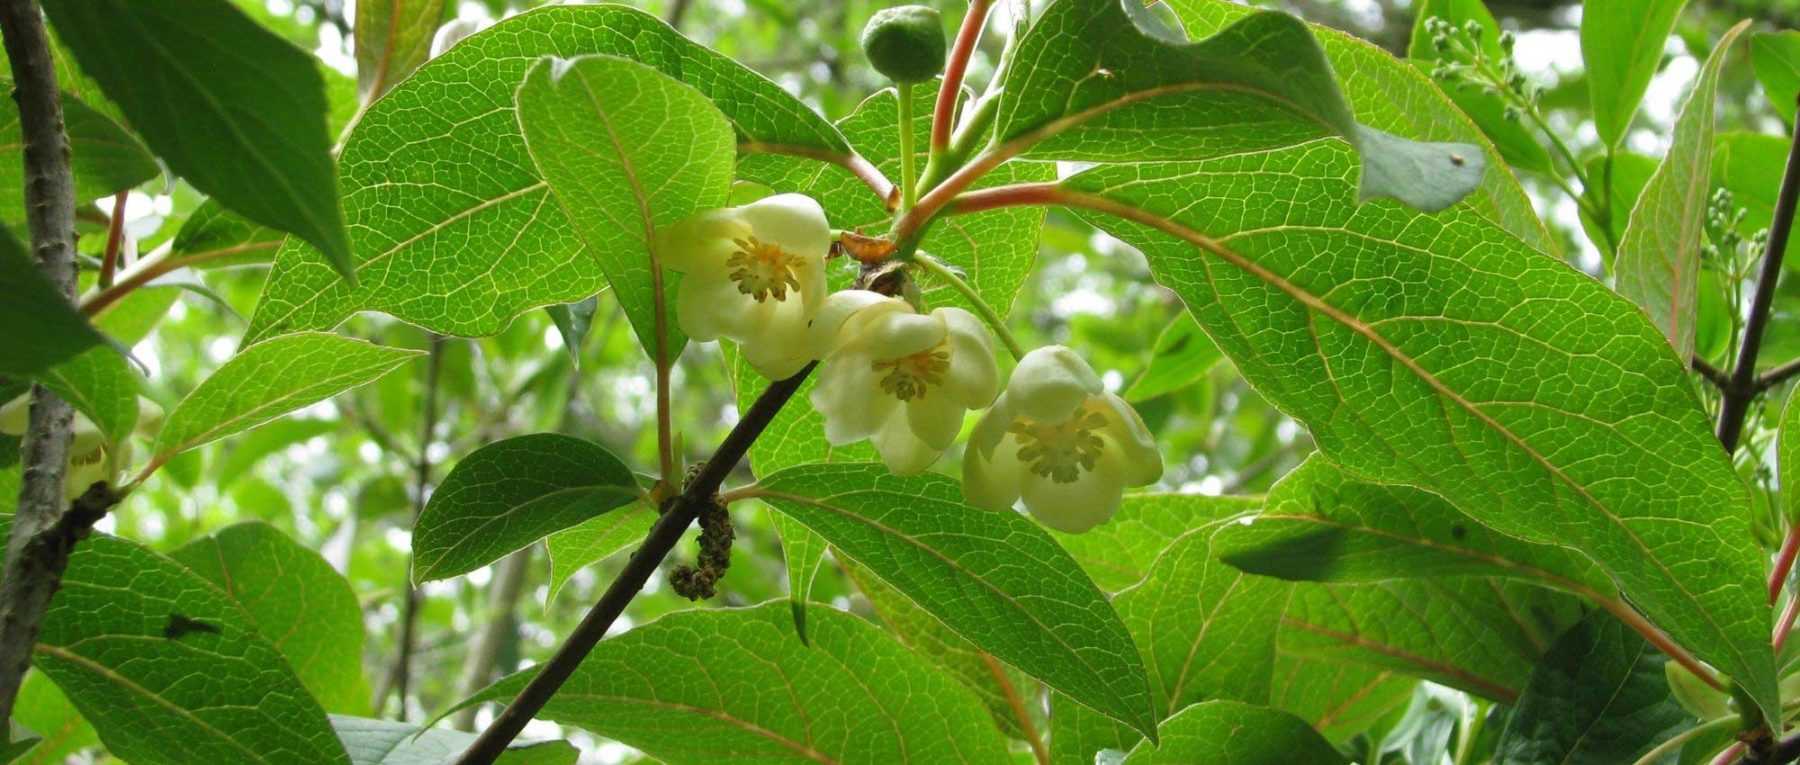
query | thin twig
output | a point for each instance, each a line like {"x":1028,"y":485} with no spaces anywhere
{"x":1737,"y":397}
{"x":677,"y":515}
{"x":115,"y":237}
{"x":1778,"y":375}
{"x":943,"y":116}
{"x":409,"y":616}
{"x":36,"y":555}
{"x":1711,"y":373}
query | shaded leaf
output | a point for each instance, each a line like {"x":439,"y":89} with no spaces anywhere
{"x":804,"y":553}
{"x":1776,"y":59}
{"x":1658,"y":263}
{"x":267,"y":380}
{"x":511,"y":493}
{"x":214,"y":237}
{"x":379,"y":742}
{"x":1598,"y":696}
{"x":1516,"y":143}
{"x":103,"y":156}
{"x":183,"y":69}
{"x":994,"y":578}
{"x":594,"y":540}
{"x":99,"y":384}
{"x":1237,"y":733}
{"x":42,"y":327}
{"x":736,"y":685}
{"x":1339,"y":699}
{"x":393,"y":37}
{"x":1118,"y":553}
{"x":573,"y":320}
{"x":627,"y":150}
{"x":296,"y":600}
{"x":43,"y":709}
{"x":1183,"y":354}
{"x":1621,"y":47}
{"x":471,"y":239}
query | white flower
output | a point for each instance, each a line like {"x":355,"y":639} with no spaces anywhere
{"x":754,"y":274}
{"x":898,"y":377}
{"x":1058,"y":439}
{"x":88,"y":461}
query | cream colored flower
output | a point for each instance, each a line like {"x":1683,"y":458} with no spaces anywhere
{"x":900,"y":378}
{"x":88,"y":461}
{"x":1060,"y":441}
{"x":753,"y":274}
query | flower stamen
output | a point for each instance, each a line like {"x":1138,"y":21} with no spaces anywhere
{"x":909,"y":377}
{"x":762,"y":269}
{"x":1060,"y":451}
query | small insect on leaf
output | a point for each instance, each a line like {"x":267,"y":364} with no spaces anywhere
{"x":181,"y":626}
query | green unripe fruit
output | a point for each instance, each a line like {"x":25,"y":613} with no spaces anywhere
{"x":906,"y":43}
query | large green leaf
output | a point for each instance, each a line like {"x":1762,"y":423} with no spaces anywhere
{"x":994,"y":578}
{"x":1101,"y":80}
{"x":1478,"y":634}
{"x":1389,"y":94}
{"x":1339,"y":699}
{"x":1009,"y":695}
{"x":995,"y":248}
{"x":804,"y":554}
{"x":379,"y":742}
{"x":296,"y":600}
{"x":511,"y":493}
{"x":1318,"y":524}
{"x":99,"y":384}
{"x":1776,"y":58}
{"x":1658,"y":264}
{"x":1621,"y":47}
{"x":1516,"y":142}
{"x":1750,"y":165}
{"x":1205,"y":630}
{"x":393,"y":37}
{"x":594,"y":540}
{"x":627,"y":150}
{"x":1118,"y":553}
{"x":450,"y":223}
{"x":1441,"y":352}
{"x":43,"y":709}
{"x":267,"y":380}
{"x":1183,"y":354}
{"x":170,"y":670}
{"x":187,"y":70}
{"x":1598,"y":697}
{"x":42,"y":328}
{"x":104,"y":157}
{"x":1236,"y":733}
{"x":214,"y":237}
{"x":737,"y":685}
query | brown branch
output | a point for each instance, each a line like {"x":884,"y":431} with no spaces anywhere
{"x":115,"y":237}
{"x":1710,"y":373}
{"x":1778,"y":375}
{"x":1737,"y":398}
{"x":42,"y":535}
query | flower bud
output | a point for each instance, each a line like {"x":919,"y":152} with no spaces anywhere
{"x":906,"y":43}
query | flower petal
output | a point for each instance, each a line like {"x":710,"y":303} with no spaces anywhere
{"x":1127,"y":433}
{"x":902,"y":451}
{"x":1081,"y":504}
{"x":709,"y":306}
{"x":848,"y":395}
{"x":701,"y":242}
{"x":842,"y":313}
{"x":936,"y":418}
{"x":992,"y":482}
{"x":1050,"y":382}
{"x":974,"y":376}
{"x":793,"y":222}
{"x":992,"y":427}
{"x":894,"y":334}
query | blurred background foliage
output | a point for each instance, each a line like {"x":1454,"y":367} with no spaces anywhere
{"x":343,"y":476}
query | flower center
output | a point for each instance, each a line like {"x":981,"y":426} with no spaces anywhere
{"x":909,"y":377}
{"x":762,"y":269}
{"x":1060,"y":451}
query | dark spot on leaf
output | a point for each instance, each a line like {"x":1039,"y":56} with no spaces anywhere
{"x":1457,"y":160}
{"x":1457,"y":531}
{"x":180,"y":626}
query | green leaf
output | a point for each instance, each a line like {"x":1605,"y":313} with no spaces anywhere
{"x":573,"y":320}
{"x":267,"y":380}
{"x":1318,"y":524}
{"x":42,"y":327}
{"x":43,"y":709}
{"x":1599,"y":696}
{"x":1118,"y":553}
{"x":1787,"y":455}
{"x":1097,"y":80}
{"x":296,"y":600}
{"x":1515,"y":141}
{"x":511,"y":493}
{"x":1481,"y":635}
{"x":736,"y":685}
{"x":170,"y":670}
{"x":1388,"y":94}
{"x":1339,"y":699}
{"x":1236,"y":733}
{"x":1183,"y":354}
{"x":380,"y":742}
{"x":1008,"y":694}
{"x":997,"y":579}
{"x":393,"y":37}
{"x":104,"y":157}
{"x":1776,"y":58}
{"x":1658,"y":264}
{"x":214,"y":237}
{"x":627,"y":150}
{"x":1630,"y":174}
{"x":804,"y":553}
{"x":1621,"y":47}
{"x":99,"y":384}
{"x":1359,"y":320}
{"x":1750,"y":165}
{"x":995,"y":249}
{"x":471,"y":239}
{"x":1205,"y":629}
{"x":595,"y":540}
{"x":181,"y":69}
{"x":129,"y":320}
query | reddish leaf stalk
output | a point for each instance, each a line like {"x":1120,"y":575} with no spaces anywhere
{"x":115,"y":237}
{"x":949,"y":92}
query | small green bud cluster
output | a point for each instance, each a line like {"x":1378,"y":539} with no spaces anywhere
{"x":906,"y":43}
{"x":1462,"y":62}
{"x":1725,"y":242}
